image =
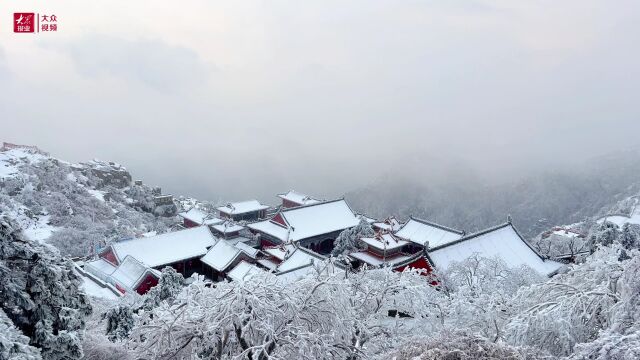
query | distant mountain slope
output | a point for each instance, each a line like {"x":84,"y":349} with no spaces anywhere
{"x":76,"y":207}
{"x":536,"y":203}
{"x":617,"y":222}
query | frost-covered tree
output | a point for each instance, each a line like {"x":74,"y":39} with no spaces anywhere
{"x":480,"y":292}
{"x":166,"y":210}
{"x":331,"y":316}
{"x":75,"y":242}
{"x":98,"y":347}
{"x":347,"y":240}
{"x":142,"y":197}
{"x":604,"y":234}
{"x":120,"y":321}
{"x":39,"y":293}
{"x":462,"y":346}
{"x":170,"y":284}
{"x":621,"y":340}
{"x":570,"y":308}
{"x":13,"y":344}
{"x":555,"y":245}
{"x":630,"y":237}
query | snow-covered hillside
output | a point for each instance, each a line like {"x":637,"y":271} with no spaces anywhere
{"x":626,"y":211}
{"x":621,"y":219}
{"x":76,"y":207}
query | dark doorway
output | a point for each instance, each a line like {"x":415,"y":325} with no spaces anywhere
{"x":325,"y":246}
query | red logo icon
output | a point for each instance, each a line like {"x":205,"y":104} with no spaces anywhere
{"x":23,"y":22}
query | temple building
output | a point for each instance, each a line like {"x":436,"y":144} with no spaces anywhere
{"x":245,"y":210}
{"x":313,"y":226}
{"x":294,"y":199}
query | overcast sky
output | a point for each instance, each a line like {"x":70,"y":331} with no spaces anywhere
{"x":238,"y":99}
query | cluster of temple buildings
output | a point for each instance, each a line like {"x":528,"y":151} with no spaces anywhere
{"x":291,"y":241}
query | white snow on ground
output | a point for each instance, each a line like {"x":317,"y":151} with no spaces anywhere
{"x":97,"y":194}
{"x":621,"y":220}
{"x":95,"y":290}
{"x":35,"y":228}
{"x":40,"y":230}
{"x":6,"y":169}
{"x":10,"y":160}
{"x":565,"y":233}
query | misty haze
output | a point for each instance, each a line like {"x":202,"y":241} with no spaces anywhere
{"x":319,"y":179}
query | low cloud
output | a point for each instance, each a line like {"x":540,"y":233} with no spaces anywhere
{"x":153,"y":63}
{"x":323,"y":96}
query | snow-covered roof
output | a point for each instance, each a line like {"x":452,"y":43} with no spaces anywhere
{"x":296,"y":274}
{"x":221,"y":255}
{"x":243,"y":271}
{"x":421,"y":231}
{"x":298,"y":198}
{"x":101,"y":265}
{"x":129,"y":273}
{"x":279,"y":252}
{"x":100,"y":268}
{"x":298,"y":258}
{"x":167,"y":248}
{"x":228,"y":227}
{"x":268,"y":263}
{"x":272,"y":228}
{"x":366,"y":218}
{"x":200,"y":217}
{"x":242,"y":207}
{"x":96,"y":287}
{"x":389,"y":224}
{"x":385,"y":241}
{"x":239,"y":239}
{"x":301,"y":267}
{"x":252,"y":252}
{"x":374,"y":260}
{"x":502,"y":241}
{"x":308,"y":221}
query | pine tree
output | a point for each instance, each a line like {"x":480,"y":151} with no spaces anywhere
{"x":14,"y":345}
{"x":39,"y":293}
{"x":119,"y":322}
{"x":604,"y":234}
{"x":629,"y":238}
